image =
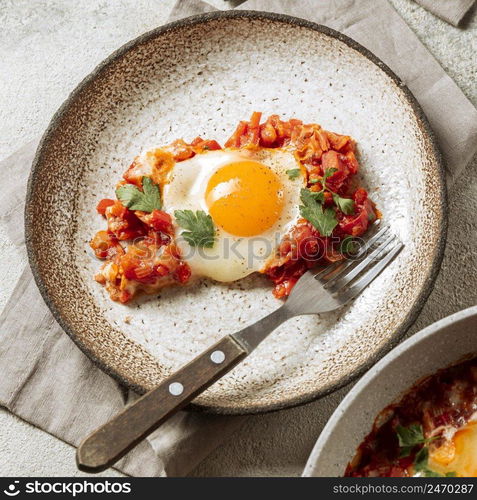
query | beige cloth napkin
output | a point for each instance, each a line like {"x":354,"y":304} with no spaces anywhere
{"x":452,"y":11}
{"x":47,"y":381}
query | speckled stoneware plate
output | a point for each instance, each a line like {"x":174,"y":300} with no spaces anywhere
{"x":437,"y":346}
{"x":200,"y":76}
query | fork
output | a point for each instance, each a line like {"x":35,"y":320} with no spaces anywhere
{"x":315,"y":292}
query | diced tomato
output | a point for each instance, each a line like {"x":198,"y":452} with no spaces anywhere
{"x":197,"y":141}
{"x":139,"y":264}
{"x":310,"y":142}
{"x":253,"y":131}
{"x":182,"y":273}
{"x":103,"y":205}
{"x":173,"y":252}
{"x":268,"y":135}
{"x":156,"y":238}
{"x":180,"y":150}
{"x":200,"y":145}
{"x":283,"y":131}
{"x":351,"y":162}
{"x":144,"y":271}
{"x":307,"y":242}
{"x":124,"y":297}
{"x":356,"y":225}
{"x":137,"y":270}
{"x":273,"y":133}
{"x":332,"y":159}
{"x":246,"y":133}
{"x":117,"y":209}
{"x":123,"y":223}
{"x":161,"y":221}
{"x":284,"y":289}
{"x":134,"y":174}
{"x":338,"y":142}
{"x":292,"y":269}
{"x":161,"y":270}
{"x":212,"y":145}
{"x":235,"y":138}
{"x":105,"y":245}
{"x":360,"y":196}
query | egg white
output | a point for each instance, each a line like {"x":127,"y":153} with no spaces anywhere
{"x":232,"y":257}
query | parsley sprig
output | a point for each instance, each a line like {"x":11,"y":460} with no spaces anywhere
{"x":200,"y":231}
{"x":410,"y":437}
{"x":346,"y":205}
{"x":146,"y":200}
{"x":323,"y":219}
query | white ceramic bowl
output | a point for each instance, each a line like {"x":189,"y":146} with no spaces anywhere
{"x":437,"y":346}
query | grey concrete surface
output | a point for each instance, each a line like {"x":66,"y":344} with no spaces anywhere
{"x":46,"y":48}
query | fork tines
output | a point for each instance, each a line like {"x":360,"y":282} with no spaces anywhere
{"x":352,"y":275}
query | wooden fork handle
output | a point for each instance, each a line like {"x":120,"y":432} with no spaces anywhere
{"x":106,"y":445}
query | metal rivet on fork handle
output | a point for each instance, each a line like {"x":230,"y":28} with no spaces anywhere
{"x":217,"y":357}
{"x":176,"y":388}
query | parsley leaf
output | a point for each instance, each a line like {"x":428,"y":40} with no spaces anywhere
{"x":421,"y":459}
{"x":312,"y":210}
{"x":410,"y":436}
{"x":344,"y":204}
{"x":349,"y":246}
{"x":146,"y":200}
{"x":200,"y":231}
{"x":328,"y":173}
{"x":293,"y":173}
{"x":308,"y":197}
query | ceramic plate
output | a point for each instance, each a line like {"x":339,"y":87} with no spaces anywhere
{"x":200,"y":76}
{"x":434,"y":348}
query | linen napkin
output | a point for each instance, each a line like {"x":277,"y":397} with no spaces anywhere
{"x":51,"y":384}
{"x":452,"y":11}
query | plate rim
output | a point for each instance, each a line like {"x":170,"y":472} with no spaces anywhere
{"x":202,"y":19}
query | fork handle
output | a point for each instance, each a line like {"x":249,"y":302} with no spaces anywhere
{"x":107,"y":444}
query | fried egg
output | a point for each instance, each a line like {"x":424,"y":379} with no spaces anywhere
{"x":458,"y":453}
{"x":251,"y":200}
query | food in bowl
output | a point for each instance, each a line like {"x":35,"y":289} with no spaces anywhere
{"x":279,"y":198}
{"x":431,"y":431}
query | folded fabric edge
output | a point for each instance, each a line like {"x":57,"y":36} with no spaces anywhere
{"x":452,"y":13}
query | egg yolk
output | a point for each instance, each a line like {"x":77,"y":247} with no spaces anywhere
{"x":244,"y":198}
{"x":458,"y":455}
